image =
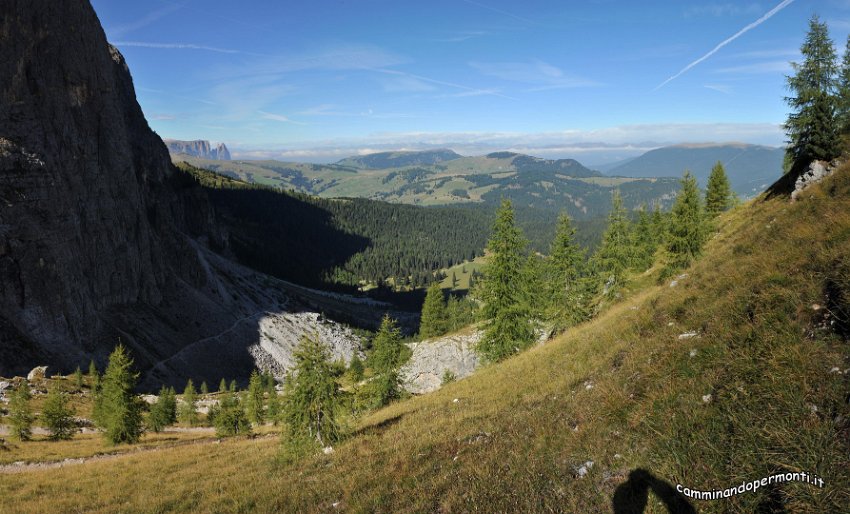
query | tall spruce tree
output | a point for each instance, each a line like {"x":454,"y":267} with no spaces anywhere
{"x":507,"y":316}
{"x":644,"y":242}
{"x":57,"y":417}
{"x":20,"y":412}
{"x":188,"y":411}
{"x":312,"y":394}
{"x":614,"y":255}
{"x":688,"y":227}
{"x":718,"y":194}
{"x":565,"y":287}
{"x":254,"y":401}
{"x":842,"y":114}
{"x":434,"y":320}
{"x":387,"y":347}
{"x":385,"y":360}
{"x":121,"y":409}
{"x":811,"y":126}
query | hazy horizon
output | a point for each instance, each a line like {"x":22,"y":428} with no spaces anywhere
{"x":598,"y":82}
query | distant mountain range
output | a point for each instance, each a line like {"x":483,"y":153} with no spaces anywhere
{"x":751,"y":168}
{"x":199,"y":148}
{"x":452,"y":179}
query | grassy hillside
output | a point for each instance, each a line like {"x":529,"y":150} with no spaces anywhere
{"x":761,"y":387}
{"x":399,"y":159}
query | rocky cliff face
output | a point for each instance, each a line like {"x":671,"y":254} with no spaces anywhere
{"x":101,"y":238}
{"x":434,"y":358}
{"x":198,"y":148}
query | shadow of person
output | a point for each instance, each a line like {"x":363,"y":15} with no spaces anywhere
{"x":632,"y":495}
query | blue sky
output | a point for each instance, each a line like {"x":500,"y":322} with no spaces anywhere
{"x":319,"y":80}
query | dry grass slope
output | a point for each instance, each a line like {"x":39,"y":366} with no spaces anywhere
{"x":623,"y":391}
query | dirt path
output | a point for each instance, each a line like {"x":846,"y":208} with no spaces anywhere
{"x":23,"y":467}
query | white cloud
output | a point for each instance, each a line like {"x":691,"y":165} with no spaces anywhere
{"x":536,"y":72}
{"x":406,"y":84}
{"x":720,"y":88}
{"x":592,"y":145}
{"x":278,"y":117}
{"x":727,"y":9}
{"x":502,"y":12}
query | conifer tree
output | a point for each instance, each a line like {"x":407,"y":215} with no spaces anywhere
{"x":92,"y":371}
{"x":718,"y":194}
{"x":614,"y":255}
{"x":78,"y":379}
{"x":164,"y":412}
{"x":121,"y":410}
{"x":254,"y":401}
{"x":842,"y":114}
{"x":20,"y":412}
{"x":811,"y":126}
{"x":688,"y":229}
{"x":57,"y":417}
{"x":459,"y":312}
{"x":434,"y":320}
{"x":355,"y":369}
{"x":644,"y":242}
{"x":233,"y":387}
{"x":385,"y":360}
{"x":204,"y":389}
{"x":565,"y":286}
{"x":188,"y":412}
{"x":507,"y":314}
{"x":222,"y":386}
{"x":274,"y":407}
{"x":387,"y":347}
{"x":659,"y":225}
{"x":230,"y":418}
{"x":312,"y":394}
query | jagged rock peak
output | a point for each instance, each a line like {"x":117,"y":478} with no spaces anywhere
{"x":198,"y":148}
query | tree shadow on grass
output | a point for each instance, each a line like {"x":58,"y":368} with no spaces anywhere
{"x":631,"y":497}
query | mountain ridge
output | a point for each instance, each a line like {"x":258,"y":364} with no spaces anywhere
{"x":750,"y":168}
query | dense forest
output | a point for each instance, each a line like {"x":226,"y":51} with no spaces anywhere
{"x":337,"y":243}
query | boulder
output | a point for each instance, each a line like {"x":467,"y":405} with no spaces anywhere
{"x":432,"y":358}
{"x":37,"y":373}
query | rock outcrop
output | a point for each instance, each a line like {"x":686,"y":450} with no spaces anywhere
{"x":817,"y":171}
{"x":198,"y":148}
{"x":432,"y":358}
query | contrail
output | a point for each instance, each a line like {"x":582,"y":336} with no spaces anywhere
{"x":751,"y":26}
{"x":187,"y":46}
